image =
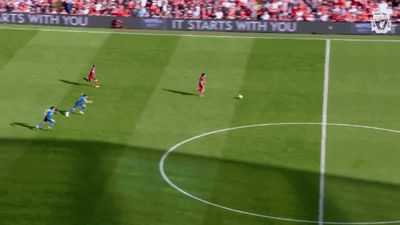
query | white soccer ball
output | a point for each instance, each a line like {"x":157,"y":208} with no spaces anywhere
{"x":240,"y":96}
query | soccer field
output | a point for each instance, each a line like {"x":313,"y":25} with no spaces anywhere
{"x":116,"y":164}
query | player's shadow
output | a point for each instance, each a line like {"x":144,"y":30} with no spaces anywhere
{"x":25,"y":125}
{"x":178,"y":92}
{"x":73,"y":83}
{"x":62,"y":111}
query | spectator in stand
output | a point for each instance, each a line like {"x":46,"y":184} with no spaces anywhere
{"x":286,"y":10}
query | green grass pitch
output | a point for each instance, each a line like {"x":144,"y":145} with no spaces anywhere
{"x":101,"y":168}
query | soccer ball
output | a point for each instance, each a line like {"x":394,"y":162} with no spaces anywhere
{"x":240,"y":96}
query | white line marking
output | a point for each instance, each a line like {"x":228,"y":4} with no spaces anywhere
{"x":193,"y":35}
{"x":323,"y":135}
{"x":166,"y":179}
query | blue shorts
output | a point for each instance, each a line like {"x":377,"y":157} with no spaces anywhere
{"x":79,"y":104}
{"x":48,"y":119}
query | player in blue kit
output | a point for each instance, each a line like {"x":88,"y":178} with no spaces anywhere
{"x":47,"y":118}
{"x":80,"y":103}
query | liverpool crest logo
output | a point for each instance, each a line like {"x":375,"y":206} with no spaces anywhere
{"x":380,"y":22}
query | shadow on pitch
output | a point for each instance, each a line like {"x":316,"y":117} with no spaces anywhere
{"x":78,"y":174}
{"x":27,"y":126}
{"x":73,"y":83}
{"x":63,"y":111}
{"x":24,"y":125}
{"x":178,"y":92}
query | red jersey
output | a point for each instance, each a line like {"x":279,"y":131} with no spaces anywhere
{"x":93,"y":71}
{"x":202,"y":81}
{"x":92,"y":74}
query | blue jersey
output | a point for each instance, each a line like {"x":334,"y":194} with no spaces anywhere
{"x":49,"y":113}
{"x":81,"y":100}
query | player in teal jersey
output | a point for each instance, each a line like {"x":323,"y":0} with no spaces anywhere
{"x":80,"y":103}
{"x":48,"y":117}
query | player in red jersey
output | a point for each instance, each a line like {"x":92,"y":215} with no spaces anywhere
{"x":202,"y":84}
{"x":92,"y":77}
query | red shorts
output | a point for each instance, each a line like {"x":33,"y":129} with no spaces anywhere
{"x":201,"y":89}
{"x":92,"y":77}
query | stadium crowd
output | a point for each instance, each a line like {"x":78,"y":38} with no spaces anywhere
{"x":286,"y":10}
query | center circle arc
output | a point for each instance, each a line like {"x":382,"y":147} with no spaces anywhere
{"x":188,"y":194}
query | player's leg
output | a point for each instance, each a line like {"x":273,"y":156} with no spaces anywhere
{"x":89,"y":78}
{"x":201,"y":91}
{"x":83,"y":107}
{"x":52,"y":122}
{"x":40,"y":124}
{"x":67,"y":113}
{"x":96,"y":83}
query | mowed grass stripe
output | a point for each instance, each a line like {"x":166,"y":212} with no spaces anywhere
{"x":37,"y":70}
{"x":31,"y":84}
{"x":40,"y":65}
{"x":66,"y":183}
{"x":365,"y":93}
{"x":280,"y":85}
{"x":128,"y":69}
{"x":82,"y":196}
{"x":11,"y":43}
{"x":365,"y":185}
{"x":364,"y":90}
{"x":262,"y":188}
{"x":174,"y":111}
{"x":75,"y":182}
{"x":70,"y":67}
{"x":14,"y":45}
{"x":366,"y":78}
